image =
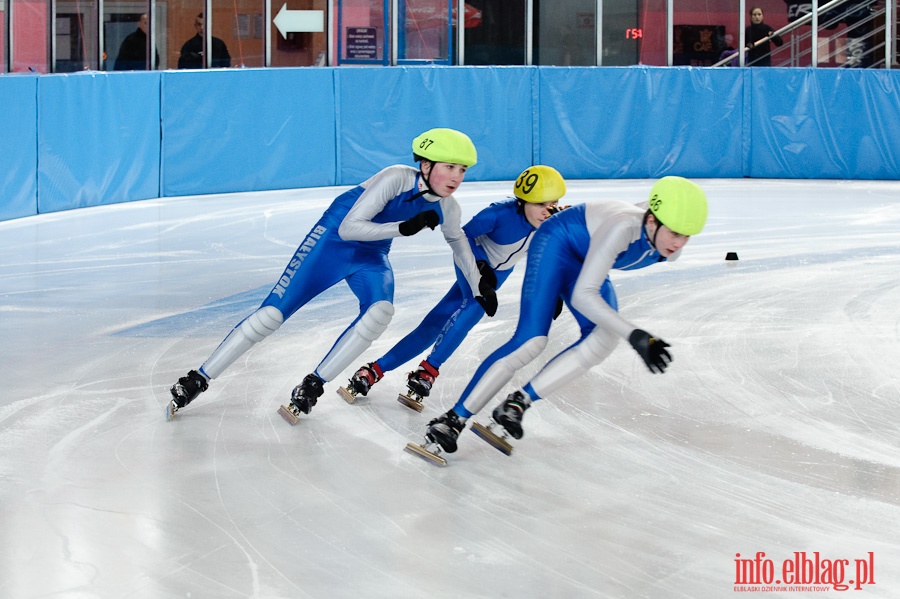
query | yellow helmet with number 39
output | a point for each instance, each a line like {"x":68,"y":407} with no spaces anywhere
{"x":538,"y":184}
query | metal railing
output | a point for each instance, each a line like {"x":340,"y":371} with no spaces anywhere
{"x":866,"y":38}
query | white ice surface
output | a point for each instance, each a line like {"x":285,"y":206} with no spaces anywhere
{"x":776,"y":429}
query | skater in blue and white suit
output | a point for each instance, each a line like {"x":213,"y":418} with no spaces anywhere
{"x":351,"y":243}
{"x":499,"y":236}
{"x":570,"y":258}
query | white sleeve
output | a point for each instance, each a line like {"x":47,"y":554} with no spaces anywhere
{"x":459,"y":243}
{"x":380,"y":189}
{"x":608,"y":241}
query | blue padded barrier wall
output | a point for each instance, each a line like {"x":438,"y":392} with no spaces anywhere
{"x":824,"y":123}
{"x":98,"y":139}
{"x":18,"y":147}
{"x":382,"y":110}
{"x":247,"y":130}
{"x":641,"y":122}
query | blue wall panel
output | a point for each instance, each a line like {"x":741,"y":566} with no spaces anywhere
{"x":382,"y":110}
{"x":825,"y":123}
{"x":98,"y":139}
{"x":247,"y":130}
{"x":18,"y":147}
{"x":640,"y":122}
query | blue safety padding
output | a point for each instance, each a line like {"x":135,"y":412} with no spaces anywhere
{"x":98,"y":139}
{"x":641,"y":122}
{"x":18,"y":146}
{"x":247,"y":130}
{"x":382,"y":109}
{"x":825,"y":123}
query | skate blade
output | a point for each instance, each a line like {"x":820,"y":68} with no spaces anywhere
{"x":418,"y":450}
{"x":492,"y":438}
{"x":346,"y":394}
{"x":285,"y":412}
{"x":414,"y":403}
{"x":170,"y":412}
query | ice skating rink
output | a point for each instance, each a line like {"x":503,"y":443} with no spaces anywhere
{"x":776,"y":429}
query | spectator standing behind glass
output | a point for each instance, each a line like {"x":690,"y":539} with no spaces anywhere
{"x":759,"y":55}
{"x":133,"y":51}
{"x":192,"y":50}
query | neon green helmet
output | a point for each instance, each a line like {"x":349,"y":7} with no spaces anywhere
{"x":679,"y":204}
{"x":445,"y":145}
{"x":539,"y":184}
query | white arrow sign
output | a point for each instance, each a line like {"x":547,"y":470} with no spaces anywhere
{"x":292,"y":21}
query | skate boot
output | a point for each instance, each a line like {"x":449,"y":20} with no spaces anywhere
{"x":440,"y":436}
{"x":507,"y":415}
{"x":303,"y":398}
{"x":185,"y":391}
{"x":361,"y":382}
{"x":419,"y":383}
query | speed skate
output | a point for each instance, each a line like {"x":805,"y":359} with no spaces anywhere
{"x":290,"y":413}
{"x":348,"y":393}
{"x":487,"y":433}
{"x":430,"y":452}
{"x":412,"y":400}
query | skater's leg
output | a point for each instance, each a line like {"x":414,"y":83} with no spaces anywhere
{"x":250,"y":331}
{"x":374,"y":286}
{"x":458,"y":325}
{"x":594,"y":346}
{"x":421,"y":338}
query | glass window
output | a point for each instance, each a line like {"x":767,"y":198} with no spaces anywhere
{"x":298,"y":33}
{"x":362,"y":32}
{"x":425,"y":31}
{"x":126,"y":37}
{"x":30,"y":46}
{"x":499,"y":36}
{"x":3,"y":58}
{"x":76,"y":36}
{"x":565,"y":32}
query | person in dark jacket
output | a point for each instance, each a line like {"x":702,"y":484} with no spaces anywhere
{"x":759,"y":54}
{"x":192,"y":51}
{"x":133,"y":51}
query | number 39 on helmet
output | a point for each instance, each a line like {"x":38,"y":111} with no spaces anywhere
{"x":445,"y":145}
{"x":679,"y":204}
{"x":539,"y":184}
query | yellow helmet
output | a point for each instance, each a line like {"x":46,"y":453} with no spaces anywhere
{"x":679,"y":204}
{"x":445,"y":145}
{"x":539,"y":184}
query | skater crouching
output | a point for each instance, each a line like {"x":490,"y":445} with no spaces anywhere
{"x":350,"y":242}
{"x":570,"y":258}
{"x":499,"y":236}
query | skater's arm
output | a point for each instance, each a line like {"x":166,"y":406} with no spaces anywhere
{"x":613,"y":237}
{"x":380,"y":189}
{"x":459,"y":243}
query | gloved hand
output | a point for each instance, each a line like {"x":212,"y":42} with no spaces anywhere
{"x":429,"y":219}
{"x":487,"y":299}
{"x":488,"y":276}
{"x":559,"y":307}
{"x":554,"y":209}
{"x":651,"y":349}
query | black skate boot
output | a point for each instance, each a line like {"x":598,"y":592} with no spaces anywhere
{"x":509,"y":413}
{"x":185,"y":391}
{"x":361,"y":382}
{"x":419,"y":382}
{"x":444,"y":430}
{"x":303,"y":398}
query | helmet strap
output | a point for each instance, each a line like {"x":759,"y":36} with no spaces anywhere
{"x":655,"y":231}
{"x":426,"y":178}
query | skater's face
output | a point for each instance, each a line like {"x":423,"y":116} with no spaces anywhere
{"x":444,"y":177}
{"x":536,"y":214}
{"x":756,"y":16}
{"x":667,"y":241}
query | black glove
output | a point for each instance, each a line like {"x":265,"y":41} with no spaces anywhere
{"x":652,"y":350}
{"x":429,"y":219}
{"x":487,"y":299}
{"x":559,"y":307}
{"x":554,"y":209}
{"x":488,"y":276}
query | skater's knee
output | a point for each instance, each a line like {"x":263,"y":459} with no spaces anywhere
{"x":262,"y":323}
{"x":375,"y":320}
{"x":526,"y":352}
{"x":599,"y":344}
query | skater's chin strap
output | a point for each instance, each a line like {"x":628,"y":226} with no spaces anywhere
{"x":655,"y":233}
{"x":425,"y":180}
